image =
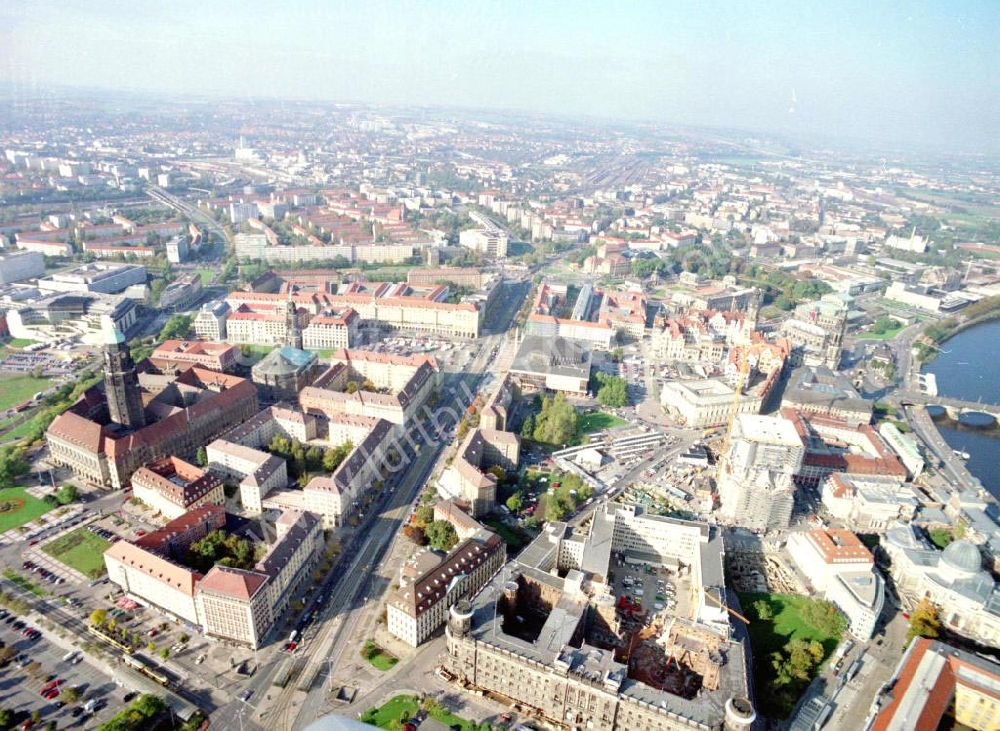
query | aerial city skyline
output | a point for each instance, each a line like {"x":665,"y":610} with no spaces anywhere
{"x":855,"y":73}
{"x":499,"y":366}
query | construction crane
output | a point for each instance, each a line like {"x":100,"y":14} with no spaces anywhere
{"x":743,"y":370}
{"x":731,"y":611}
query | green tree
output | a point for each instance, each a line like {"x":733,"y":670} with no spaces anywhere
{"x":763,"y":610}
{"x":156,"y":288}
{"x":825,"y":617}
{"x":333,"y":457}
{"x":98,"y":617}
{"x":67,"y":494}
{"x":13,"y":464}
{"x":612,"y":391}
{"x":515,"y":502}
{"x":441,"y":535}
{"x":202,"y":457}
{"x":423,"y":516}
{"x":528,"y":427}
{"x":498,"y":472}
{"x":556,"y":422}
{"x":6,"y":718}
{"x":177,"y":327}
{"x":314,"y":458}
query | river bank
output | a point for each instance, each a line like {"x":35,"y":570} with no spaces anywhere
{"x":966,"y":367}
{"x":939,"y":333}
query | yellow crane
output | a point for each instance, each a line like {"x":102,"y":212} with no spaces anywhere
{"x":731,"y":611}
{"x":743,"y":370}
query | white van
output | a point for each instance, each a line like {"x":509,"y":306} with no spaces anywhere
{"x":69,"y":656}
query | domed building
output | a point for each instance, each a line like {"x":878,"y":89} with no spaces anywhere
{"x":283,"y":372}
{"x":954,"y":579}
{"x":961,"y":560}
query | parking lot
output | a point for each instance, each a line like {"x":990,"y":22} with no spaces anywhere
{"x":650,"y":589}
{"x":42,"y":665}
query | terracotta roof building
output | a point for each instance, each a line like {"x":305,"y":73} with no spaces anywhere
{"x":173,"y":487}
{"x":182,"y":412}
{"x":179,"y":355}
{"x":934,"y":678}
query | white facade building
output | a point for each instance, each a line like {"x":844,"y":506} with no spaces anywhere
{"x":839,"y":565}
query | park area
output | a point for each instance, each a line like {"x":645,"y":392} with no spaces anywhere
{"x":790,"y":636}
{"x":596,"y":421}
{"x":398,"y":710}
{"x":16,"y":390}
{"x":17,"y":507}
{"x":379,"y":658}
{"x":80,"y":550}
{"x":885,"y":328}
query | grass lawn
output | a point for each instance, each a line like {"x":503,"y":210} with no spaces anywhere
{"x":20,"y":342}
{"x":596,"y":421}
{"x":888,"y":335}
{"x":21,"y":430}
{"x":790,"y":619}
{"x":206,"y":275}
{"x":15,"y":390}
{"x":379,"y":658}
{"x":511,"y":537}
{"x":81,"y":550}
{"x":389,"y":714}
{"x":23,"y":582}
{"x":941,"y":537}
{"x":450,"y":720}
{"x":17,"y":507}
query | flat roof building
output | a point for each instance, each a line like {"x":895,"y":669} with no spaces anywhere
{"x":554,"y":364}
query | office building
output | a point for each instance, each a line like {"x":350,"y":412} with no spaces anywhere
{"x":841,"y":568}
{"x":490,"y":241}
{"x":181,"y":293}
{"x":467,"y":479}
{"x":835,"y":445}
{"x":540,"y":632}
{"x":210,"y":322}
{"x":430,"y":584}
{"x":239,"y":606}
{"x":332,"y":330}
{"x":17,"y":266}
{"x":177,"y":249}
{"x":103,"y":277}
{"x":756,"y":488}
{"x":905,"y":448}
{"x":553,"y":364}
{"x":868,"y":503}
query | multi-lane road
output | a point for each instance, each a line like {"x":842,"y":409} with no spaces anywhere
{"x":192,"y":212}
{"x":350,"y":587}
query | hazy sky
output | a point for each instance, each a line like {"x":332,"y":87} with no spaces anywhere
{"x":911,"y":71}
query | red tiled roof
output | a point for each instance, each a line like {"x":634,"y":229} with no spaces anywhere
{"x":231,"y":582}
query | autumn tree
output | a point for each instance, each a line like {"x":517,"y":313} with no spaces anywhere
{"x":924,"y":621}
